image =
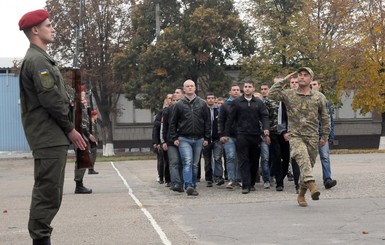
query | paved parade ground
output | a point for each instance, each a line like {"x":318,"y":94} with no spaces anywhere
{"x":128,"y":206}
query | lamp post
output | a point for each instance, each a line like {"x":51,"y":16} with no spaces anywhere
{"x":157,"y":19}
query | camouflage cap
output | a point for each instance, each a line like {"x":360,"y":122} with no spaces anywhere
{"x":307,"y":69}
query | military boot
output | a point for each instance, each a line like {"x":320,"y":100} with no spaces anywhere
{"x":313,"y":189}
{"x":301,"y":197}
{"x":81,"y":189}
{"x":42,"y":241}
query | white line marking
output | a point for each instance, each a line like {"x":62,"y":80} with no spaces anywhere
{"x":157,"y":228}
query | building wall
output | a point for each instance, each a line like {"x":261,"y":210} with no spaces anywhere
{"x":353,"y":130}
{"x":132,"y":127}
{"x":12,"y":136}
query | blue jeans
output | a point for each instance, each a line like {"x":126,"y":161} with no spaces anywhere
{"x":213,"y":151}
{"x":265,"y":161}
{"x":218,"y":165}
{"x":175,"y":166}
{"x":325,"y":161}
{"x":190,"y":150}
{"x":233,"y":172}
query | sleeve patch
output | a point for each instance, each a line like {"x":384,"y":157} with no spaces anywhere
{"x":46,"y":79}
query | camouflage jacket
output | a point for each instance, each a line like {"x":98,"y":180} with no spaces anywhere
{"x":272,"y":107}
{"x":305,"y":112}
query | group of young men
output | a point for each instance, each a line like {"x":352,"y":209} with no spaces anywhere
{"x":288,"y":123}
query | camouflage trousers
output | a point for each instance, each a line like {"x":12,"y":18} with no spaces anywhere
{"x":304,"y":150}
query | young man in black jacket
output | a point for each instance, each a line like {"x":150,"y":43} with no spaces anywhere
{"x":247,"y":113}
{"x":190,"y":130}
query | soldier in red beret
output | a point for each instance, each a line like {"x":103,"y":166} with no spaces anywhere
{"x":46,"y":122}
{"x":93,"y":140}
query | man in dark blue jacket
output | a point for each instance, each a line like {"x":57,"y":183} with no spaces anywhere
{"x":213,"y":169}
{"x":229,"y":143}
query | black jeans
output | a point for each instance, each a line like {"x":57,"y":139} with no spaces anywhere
{"x":248,"y":152}
{"x":280,"y":157}
{"x":163,"y":166}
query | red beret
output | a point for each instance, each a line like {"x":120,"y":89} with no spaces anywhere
{"x":82,"y":88}
{"x":94,"y":113}
{"x":32,"y":19}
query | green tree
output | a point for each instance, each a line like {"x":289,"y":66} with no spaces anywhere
{"x":295,"y":33}
{"x":275,"y":24}
{"x":195,"y":42}
{"x":105,"y":30}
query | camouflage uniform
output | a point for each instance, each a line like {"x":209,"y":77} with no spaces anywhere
{"x":304,"y":115}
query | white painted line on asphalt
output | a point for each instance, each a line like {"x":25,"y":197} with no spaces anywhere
{"x":157,"y":228}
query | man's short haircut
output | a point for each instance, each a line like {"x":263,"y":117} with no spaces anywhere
{"x":265,"y":84}
{"x":249,"y":81}
{"x":181,"y":89}
{"x":234,"y":85}
{"x":210,"y":94}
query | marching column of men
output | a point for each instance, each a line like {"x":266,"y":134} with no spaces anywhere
{"x":234,"y":129}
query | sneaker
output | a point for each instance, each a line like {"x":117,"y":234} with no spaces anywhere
{"x":266,"y":185}
{"x":209,"y":184}
{"x":239,"y":184}
{"x":246,"y":191}
{"x":195,"y":193}
{"x":330,"y":183}
{"x":290,"y":176}
{"x":252,"y":188}
{"x":230,"y":185}
{"x":161,"y":182}
{"x":279,"y":188}
{"x":272,"y":181}
{"x":168,"y":184}
{"x":191,"y":192}
{"x":177,"y":188}
{"x":220,"y":181}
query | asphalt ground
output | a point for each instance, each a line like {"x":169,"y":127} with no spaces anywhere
{"x":128,"y":206}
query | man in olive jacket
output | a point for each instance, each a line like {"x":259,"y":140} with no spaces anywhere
{"x":45,"y":117}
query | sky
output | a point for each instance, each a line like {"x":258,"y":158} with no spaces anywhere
{"x":13,"y":43}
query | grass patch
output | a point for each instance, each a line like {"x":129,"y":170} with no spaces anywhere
{"x":356,"y":151}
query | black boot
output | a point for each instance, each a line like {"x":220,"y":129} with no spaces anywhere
{"x":81,"y":189}
{"x":42,"y":241}
{"x":92,"y":171}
